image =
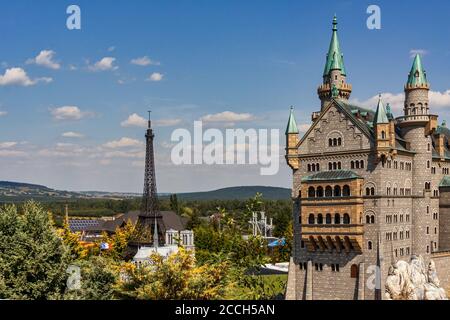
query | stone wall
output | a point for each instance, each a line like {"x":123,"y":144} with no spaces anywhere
{"x":442,"y":261}
{"x":444,"y":219}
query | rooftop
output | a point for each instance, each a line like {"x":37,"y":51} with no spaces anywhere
{"x":332,"y":175}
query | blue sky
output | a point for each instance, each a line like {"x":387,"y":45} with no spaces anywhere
{"x":247,"y":57}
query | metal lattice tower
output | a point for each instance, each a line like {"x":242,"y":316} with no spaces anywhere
{"x":150,"y":217}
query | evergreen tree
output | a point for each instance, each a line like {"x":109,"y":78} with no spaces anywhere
{"x":33,"y":258}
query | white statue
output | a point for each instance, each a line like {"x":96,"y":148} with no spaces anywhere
{"x":413,"y":281}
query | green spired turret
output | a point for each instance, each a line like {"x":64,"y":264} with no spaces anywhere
{"x":381,"y":115}
{"x":334,"y":84}
{"x":417,"y":76}
{"x":335,"y":59}
{"x":292,"y":124}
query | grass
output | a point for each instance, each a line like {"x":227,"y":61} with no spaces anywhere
{"x":268,"y":287}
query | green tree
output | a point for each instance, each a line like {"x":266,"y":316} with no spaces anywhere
{"x":33,"y":258}
{"x":176,"y":278}
{"x":174,"y":203}
{"x":72,"y":242}
{"x":99,"y":277}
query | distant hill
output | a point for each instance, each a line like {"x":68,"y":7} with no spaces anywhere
{"x":17,"y":192}
{"x":238,"y":193}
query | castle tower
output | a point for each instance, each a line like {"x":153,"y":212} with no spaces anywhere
{"x":384,"y":131}
{"x":416,"y":90}
{"x":334,"y":75}
{"x":417,"y":125}
{"x":150,"y":218}
{"x":292,"y":140}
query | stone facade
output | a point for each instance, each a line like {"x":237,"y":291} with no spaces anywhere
{"x":368,"y":190}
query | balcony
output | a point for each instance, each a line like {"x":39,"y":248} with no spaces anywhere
{"x":416,"y":118}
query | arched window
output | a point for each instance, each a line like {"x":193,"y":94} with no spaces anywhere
{"x":354,"y":271}
{"x":328,"y":191}
{"x":330,"y":166}
{"x":328,"y":218}
{"x":334,"y":166}
{"x":383,"y":135}
{"x":372,"y":219}
{"x":372,"y":191}
{"x":309,"y":167}
{"x":318,"y":167}
{"x":311,"y":192}
{"x":367,"y":219}
{"x":339,"y":141}
{"x":337,"y":218}
{"x":320,"y":219}
{"x":346,"y":191}
{"x":352,"y":164}
{"x":369,"y":245}
{"x":311,"y":219}
{"x":361,"y":164}
{"x":337,"y":191}
{"x":319,"y":192}
{"x":346,"y":219}
{"x":334,"y":142}
{"x":339,"y":166}
{"x":330,"y":142}
{"x":367,"y":191}
{"x":357,"y":164}
{"x":313,"y":167}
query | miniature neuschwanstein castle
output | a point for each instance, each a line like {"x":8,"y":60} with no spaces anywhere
{"x":369,"y":189}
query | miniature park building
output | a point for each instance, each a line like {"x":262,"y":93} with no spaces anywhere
{"x":368,"y":188}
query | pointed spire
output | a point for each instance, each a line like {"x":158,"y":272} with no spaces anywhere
{"x":335,"y":59}
{"x":380,"y":115}
{"x":292,"y":124}
{"x":149,"y":119}
{"x":417,"y":76}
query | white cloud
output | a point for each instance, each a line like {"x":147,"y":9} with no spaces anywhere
{"x":396,"y":100}
{"x":68,"y":113}
{"x":123,"y":143}
{"x":138,"y":164}
{"x":71,"y":134}
{"x":8,"y":144}
{"x":134,"y":120}
{"x":166,"y":122}
{"x":438,"y":100}
{"x":18,"y":76}
{"x":105,"y":64}
{"x":12,"y":153}
{"x":228,"y":116}
{"x":45,"y":59}
{"x":303,"y":127}
{"x":105,"y":162}
{"x":144,"y":61}
{"x":125,"y":154}
{"x":3,"y":113}
{"x":155,"y":76}
{"x":413,"y":52}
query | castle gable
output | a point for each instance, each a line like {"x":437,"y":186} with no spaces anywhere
{"x":340,"y":127}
